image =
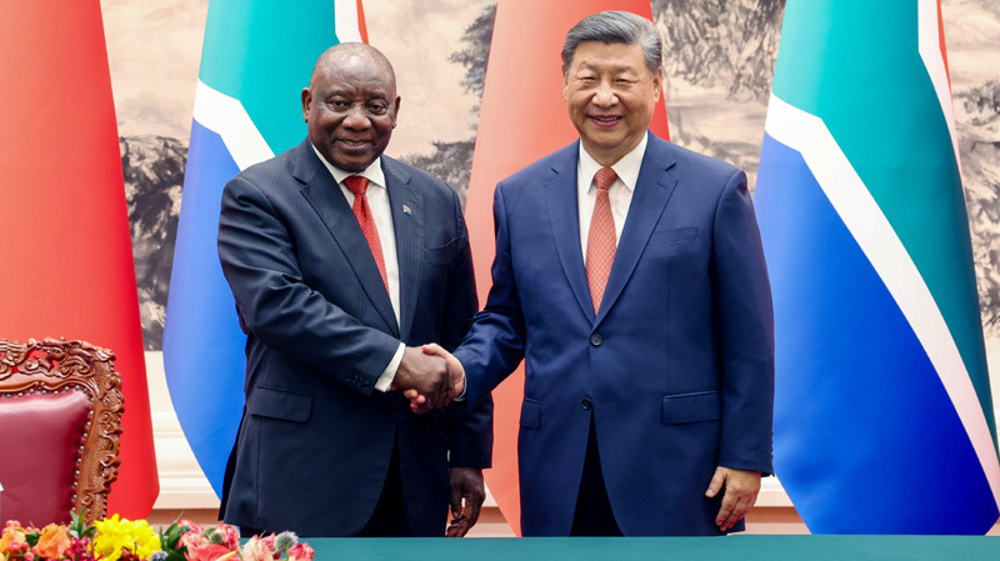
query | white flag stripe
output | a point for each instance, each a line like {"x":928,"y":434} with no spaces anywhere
{"x":226,"y":117}
{"x":347,"y":21}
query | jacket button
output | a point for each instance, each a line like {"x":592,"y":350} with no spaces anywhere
{"x":586,"y":404}
{"x":596,"y":340}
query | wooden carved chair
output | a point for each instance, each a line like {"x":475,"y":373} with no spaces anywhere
{"x":60,"y":421}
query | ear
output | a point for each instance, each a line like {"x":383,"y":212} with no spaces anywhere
{"x":395,"y":110}
{"x":657,"y":84}
{"x":565,"y":88}
{"x":306,"y":102}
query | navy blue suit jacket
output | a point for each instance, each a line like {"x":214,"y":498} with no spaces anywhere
{"x":315,"y":441}
{"x":678,"y":365}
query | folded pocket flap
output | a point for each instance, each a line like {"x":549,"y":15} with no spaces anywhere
{"x":691,"y":408}
{"x":673,"y":235}
{"x":441,"y":254}
{"x":280,"y":404}
{"x":531,"y":414}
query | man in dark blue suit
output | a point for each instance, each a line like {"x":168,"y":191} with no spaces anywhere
{"x":629,"y":275}
{"x":342,"y":260}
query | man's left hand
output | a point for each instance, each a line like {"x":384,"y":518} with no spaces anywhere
{"x":741,"y":493}
{"x":467,"y":495}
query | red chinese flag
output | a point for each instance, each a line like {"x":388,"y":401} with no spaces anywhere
{"x":63,"y":219}
{"x":523,"y":117}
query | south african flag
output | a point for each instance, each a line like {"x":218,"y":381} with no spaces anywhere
{"x":257,"y":57}
{"x":883,"y":417}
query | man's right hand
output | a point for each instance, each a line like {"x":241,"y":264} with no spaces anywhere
{"x":456,"y":373}
{"x":455,"y":368}
{"x":426,"y":377}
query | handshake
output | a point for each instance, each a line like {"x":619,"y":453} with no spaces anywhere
{"x":430,"y":377}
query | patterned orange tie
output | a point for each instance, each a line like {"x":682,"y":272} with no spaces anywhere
{"x":601,"y":239}
{"x":359,"y":186}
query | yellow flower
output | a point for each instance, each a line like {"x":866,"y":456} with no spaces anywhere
{"x":114,"y":535}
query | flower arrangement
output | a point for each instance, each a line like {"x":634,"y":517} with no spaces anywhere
{"x":120,"y":539}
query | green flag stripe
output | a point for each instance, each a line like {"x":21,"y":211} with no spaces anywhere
{"x":261,"y":52}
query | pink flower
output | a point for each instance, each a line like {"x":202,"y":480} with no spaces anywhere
{"x":258,"y":549}
{"x":192,"y":525}
{"x":210,"y":552}
{"x":230,"y":536}
{"x":301,"y":552}
{"x":269,"y":542}
{"x":193,"y":538}
{"x":194,"y":542}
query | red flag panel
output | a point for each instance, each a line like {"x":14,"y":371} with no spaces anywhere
{"x":63,"y":217}
{"x":522,"y":118}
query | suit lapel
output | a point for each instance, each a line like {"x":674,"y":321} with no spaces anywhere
{"x":652,"y":191}
{"x":560,"y":198}
{"x":408,"y":224}
{"x":329,"y":202}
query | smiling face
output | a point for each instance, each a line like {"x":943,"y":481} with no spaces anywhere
{"x":350,"y":106}
{"x":610,"y":94}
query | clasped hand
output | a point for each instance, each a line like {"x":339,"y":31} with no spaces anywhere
{"x":430,"y":377}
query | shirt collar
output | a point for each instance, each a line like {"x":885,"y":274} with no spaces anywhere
{"x":373,"y":172}
{"x":627,"y":167}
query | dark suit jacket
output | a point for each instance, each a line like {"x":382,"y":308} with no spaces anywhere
{"x":677,"y":367}
{"x":315,"y":442}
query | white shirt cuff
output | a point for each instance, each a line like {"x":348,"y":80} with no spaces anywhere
{"x":389,"y":374}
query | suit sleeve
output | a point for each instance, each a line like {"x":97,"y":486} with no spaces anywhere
{"x":471,"y":426}
{"x":745,"y":320}
{"x":276,"y":306}
{"x":495,"y":344}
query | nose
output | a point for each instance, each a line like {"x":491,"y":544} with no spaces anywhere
{"x":605,"y":95}
{"x":357,"y":118}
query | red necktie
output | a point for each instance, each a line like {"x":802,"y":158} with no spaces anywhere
{"x":359,"y":186}
{"x":601,"y":239}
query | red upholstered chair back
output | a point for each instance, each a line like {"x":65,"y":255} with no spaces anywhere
{"x":60,"y":421}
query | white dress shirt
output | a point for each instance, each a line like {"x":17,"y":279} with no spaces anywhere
{"x":378,"y":202}
{"x":619,"y":194}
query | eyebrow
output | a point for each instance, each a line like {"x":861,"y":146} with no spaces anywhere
{"x":615,"y":70}
{"x":343,"y":93}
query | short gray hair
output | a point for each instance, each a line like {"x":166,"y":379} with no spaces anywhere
{"x":616,"y":27}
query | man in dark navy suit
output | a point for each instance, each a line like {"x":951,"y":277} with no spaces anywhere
{"x":343,"y":261}
{"x":629,"y":275}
